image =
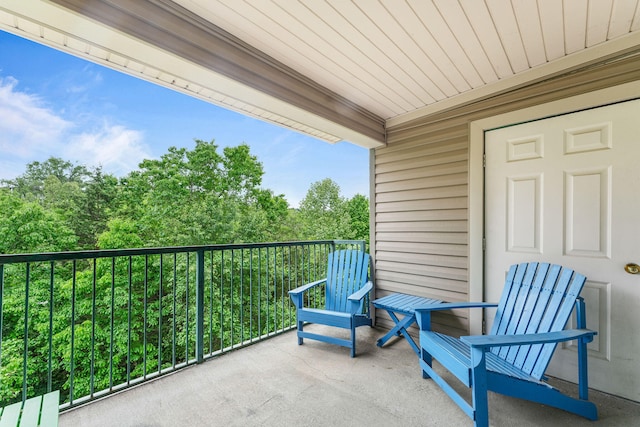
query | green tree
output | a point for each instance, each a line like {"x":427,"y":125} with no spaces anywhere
{"x":28,"y":227}
{"x":358,"y":208}
{"x":83,"y":198}
{"x":31,"y":184}
{"x":201,"y":196}
{"x":323,"y":212}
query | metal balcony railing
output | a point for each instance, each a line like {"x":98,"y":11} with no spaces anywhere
{"x":91,"y":323}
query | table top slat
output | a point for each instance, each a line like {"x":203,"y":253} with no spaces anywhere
{"x":403,"y":303}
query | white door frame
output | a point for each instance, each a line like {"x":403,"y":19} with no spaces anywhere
{"x":477,"y":128}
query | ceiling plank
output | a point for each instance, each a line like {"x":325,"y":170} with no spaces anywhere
{"x":552,"y":23}
{"x":507,"y":26}
{"x":485,"y":30}
{"x":598,"y":20}
{"x":575,"y":19}
{"x":621,"y":18}
{"x":457,"y":21}
{"x":528,"y":18}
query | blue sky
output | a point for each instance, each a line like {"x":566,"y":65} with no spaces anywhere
{"x":55,"y":104}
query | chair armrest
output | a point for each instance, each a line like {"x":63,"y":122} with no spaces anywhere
{"x":303,"y":288}
{"x":297,"y":293}
{"x":423,"y":312}
{"x":488,"y":341}
{"x":355,"y":300}
{"x":358,"y":295}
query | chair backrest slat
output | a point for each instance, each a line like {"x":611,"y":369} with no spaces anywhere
{"x":537,"y":298}
{"x":347,"y":272}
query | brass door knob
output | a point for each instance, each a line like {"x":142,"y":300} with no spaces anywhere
{"x":632,"y":268}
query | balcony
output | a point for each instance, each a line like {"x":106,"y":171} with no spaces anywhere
{"x":200,"y":336}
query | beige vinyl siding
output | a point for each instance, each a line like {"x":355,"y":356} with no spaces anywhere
{"x":420,"y":197}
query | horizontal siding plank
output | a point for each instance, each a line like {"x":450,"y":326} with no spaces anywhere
{"x":424,"y":193}
{"x":440,"y":215}
{"x":426,"y":259}
{"x":458,"y":165}
{"x":444,"y":146}
{"x":422,"y":270}
{"x":453,"y":238}
{"x":419,"y":162}
{"x":421,"y":205}
{"x":434,"y":283}
{"x":420,"y":183}
{"x":413,"y":139}
{"x":416,"y":226}
{"x":424,"y":248}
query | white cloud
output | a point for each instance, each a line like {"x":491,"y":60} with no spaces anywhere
{"x":119,"y":150}
{"x":27,"y":126}
{"x":30,"y":131}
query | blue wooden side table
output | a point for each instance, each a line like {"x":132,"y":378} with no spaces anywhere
{"x":402,"y":304}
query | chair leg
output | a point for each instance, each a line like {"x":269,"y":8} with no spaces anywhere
{"x":479,"y":387}
{"x":426,"y":357}
{"x":353,"y":341}
{"x":300,"y":330}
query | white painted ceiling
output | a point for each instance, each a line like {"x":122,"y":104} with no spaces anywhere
{"x":397,"y":59}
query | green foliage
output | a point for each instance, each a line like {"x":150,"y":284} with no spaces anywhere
{"x":358,"y":208}
{"x":28,"y":227}
{"x":323,"y":212}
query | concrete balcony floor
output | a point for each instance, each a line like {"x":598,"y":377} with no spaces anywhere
{"x":278,"y":383}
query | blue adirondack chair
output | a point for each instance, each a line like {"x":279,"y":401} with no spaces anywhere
{"x":534,"y":308}
{"x":347,"y":288}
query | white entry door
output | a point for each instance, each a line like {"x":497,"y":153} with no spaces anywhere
{"x":566,"y":190}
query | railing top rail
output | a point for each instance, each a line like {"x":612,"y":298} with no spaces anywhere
{"x":110,"y":253}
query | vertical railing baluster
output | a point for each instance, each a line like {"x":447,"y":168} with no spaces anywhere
{"x":231,"y":288}
{"x":222,"y":300}
{"x":266,"y":287}
{"x":211,"y":305}
{"x":1,"y":307}
{"x":241,"y":296}
{"x":174,"y":316}
{"x":160,"y":298}
{"x":26,"y":332}
{"x":73,"y":329}
{"x":282,"y":293}
{"x":259,"y":292}
{"x":251,"y":333}
{"x":145,"y":288}
{"x":112,"y":320}
{"x":275,"y":289}
{"x":93,"y":330}
{"x":200,"y":306}
{"x":129,"y":307}
{"x":186,"y":304}
{"x":50,"y":350}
